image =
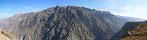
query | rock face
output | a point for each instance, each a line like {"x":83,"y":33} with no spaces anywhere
{"x":64,"y":23}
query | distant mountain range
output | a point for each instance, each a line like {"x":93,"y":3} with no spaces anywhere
{"x":64,"y":23}
{"x":131,"y":18}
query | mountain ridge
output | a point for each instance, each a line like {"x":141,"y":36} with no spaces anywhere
{"x":64,"y":23}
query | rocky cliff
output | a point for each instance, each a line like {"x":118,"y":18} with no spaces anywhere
{"x":64,"y":23}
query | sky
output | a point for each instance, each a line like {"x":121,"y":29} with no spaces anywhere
{"x":131,"y":8}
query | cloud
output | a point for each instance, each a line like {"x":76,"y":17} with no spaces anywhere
{"x":131,"y":8}
{"x":2,"y":15}
{"x":134,"y":11}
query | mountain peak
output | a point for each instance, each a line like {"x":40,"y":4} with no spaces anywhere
{"x":64,"y":23}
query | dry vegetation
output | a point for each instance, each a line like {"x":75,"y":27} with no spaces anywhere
{"x":140,"y":33}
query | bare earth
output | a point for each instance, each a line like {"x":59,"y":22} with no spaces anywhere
{"x":6,"y":36}
{"x":139,"y":33}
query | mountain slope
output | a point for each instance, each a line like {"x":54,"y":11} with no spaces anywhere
{"x":6,"y":36}
{"x":64,"y":23}
{"x":132,"y":31}
{"x":125,"y":28}
{"x":138,"y":33}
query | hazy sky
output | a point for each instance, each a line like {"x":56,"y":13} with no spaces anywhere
{"x":131,"y":8}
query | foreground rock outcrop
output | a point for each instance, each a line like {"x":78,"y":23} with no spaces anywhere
{"x":64,"y":23}
{"x":6,"y":36}
{"x":132,"y":31}
{"x":138,"y":33}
